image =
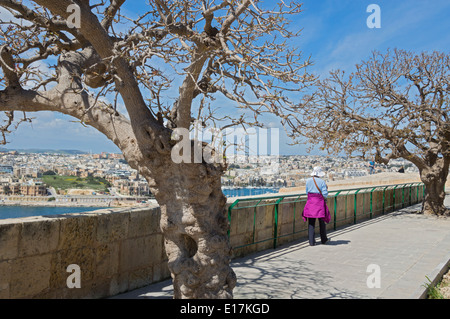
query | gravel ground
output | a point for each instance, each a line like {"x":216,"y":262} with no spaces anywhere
{"x":444,"y":287}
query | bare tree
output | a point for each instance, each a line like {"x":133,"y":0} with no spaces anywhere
{"x":395,"y":105}
{"x":166,"y":66}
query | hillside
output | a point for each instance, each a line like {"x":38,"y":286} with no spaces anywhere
{"x":42,"y":151}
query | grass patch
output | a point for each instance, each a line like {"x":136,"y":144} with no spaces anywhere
{"x":67,"y":182}
{"x":435,"y":292}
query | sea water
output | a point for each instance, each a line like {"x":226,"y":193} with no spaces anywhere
{"x":26,"y":211}
{"x":248,"y":191}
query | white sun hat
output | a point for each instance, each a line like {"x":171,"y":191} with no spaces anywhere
{"x":317,"y":171}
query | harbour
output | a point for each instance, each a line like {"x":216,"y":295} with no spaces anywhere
{"x":17,"y":211}
{"x":76,"y":204}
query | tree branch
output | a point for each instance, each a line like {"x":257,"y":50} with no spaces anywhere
{"x":8,"y":66}
{"x":110,"y":13}
{"x":145,"y":126}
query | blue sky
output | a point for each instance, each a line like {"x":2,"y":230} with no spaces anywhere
{"x":335,"y":34}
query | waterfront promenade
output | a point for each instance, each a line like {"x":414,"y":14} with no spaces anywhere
{"x":398,"y":251}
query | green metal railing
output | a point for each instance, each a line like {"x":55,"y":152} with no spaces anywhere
{"x":389,"y":198}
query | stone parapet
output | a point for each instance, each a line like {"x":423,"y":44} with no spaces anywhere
{"x":116,"y":251}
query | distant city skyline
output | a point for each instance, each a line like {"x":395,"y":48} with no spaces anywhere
{"x":334,"y":33}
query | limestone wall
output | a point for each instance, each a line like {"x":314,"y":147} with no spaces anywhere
{"x":116,"y":251}
{"x":122,"y":249}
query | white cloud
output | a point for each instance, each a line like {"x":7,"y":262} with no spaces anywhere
{"x":58,"y":131}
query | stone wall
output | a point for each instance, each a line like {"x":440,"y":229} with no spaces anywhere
{"x":115,"y":250}
{"x":122,"y":249}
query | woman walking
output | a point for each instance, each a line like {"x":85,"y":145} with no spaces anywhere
{"x":316,"y":206}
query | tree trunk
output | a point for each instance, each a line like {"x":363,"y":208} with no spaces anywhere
{"x":193,"y":208}
{"x":434,"y":180}
{"x":194,"y":223}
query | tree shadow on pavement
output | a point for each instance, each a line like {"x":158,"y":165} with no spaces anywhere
{"x":286,"y":279}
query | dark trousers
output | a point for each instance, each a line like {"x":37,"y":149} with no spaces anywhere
{"x":323,"y":231}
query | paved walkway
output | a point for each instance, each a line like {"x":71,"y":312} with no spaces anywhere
{"x":403,"y":247}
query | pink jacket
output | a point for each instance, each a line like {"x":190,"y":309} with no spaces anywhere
{"x":316,"y":207}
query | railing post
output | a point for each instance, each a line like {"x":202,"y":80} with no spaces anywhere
{"x":393,"y":195}
{"x":371,"y":202}
{"x":403,"y":195}
{"x":410,"y":197}
{"x":275,"y":231}
{"x":417,"y":196}
{"x":229,"y":215}
{"x":346,"y":206}
{"x":384,"y":199}
{"x":355,"y":207}
{"x":293,"y":222}
{"x":254,"y":220}
{"x":335,"y":209}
